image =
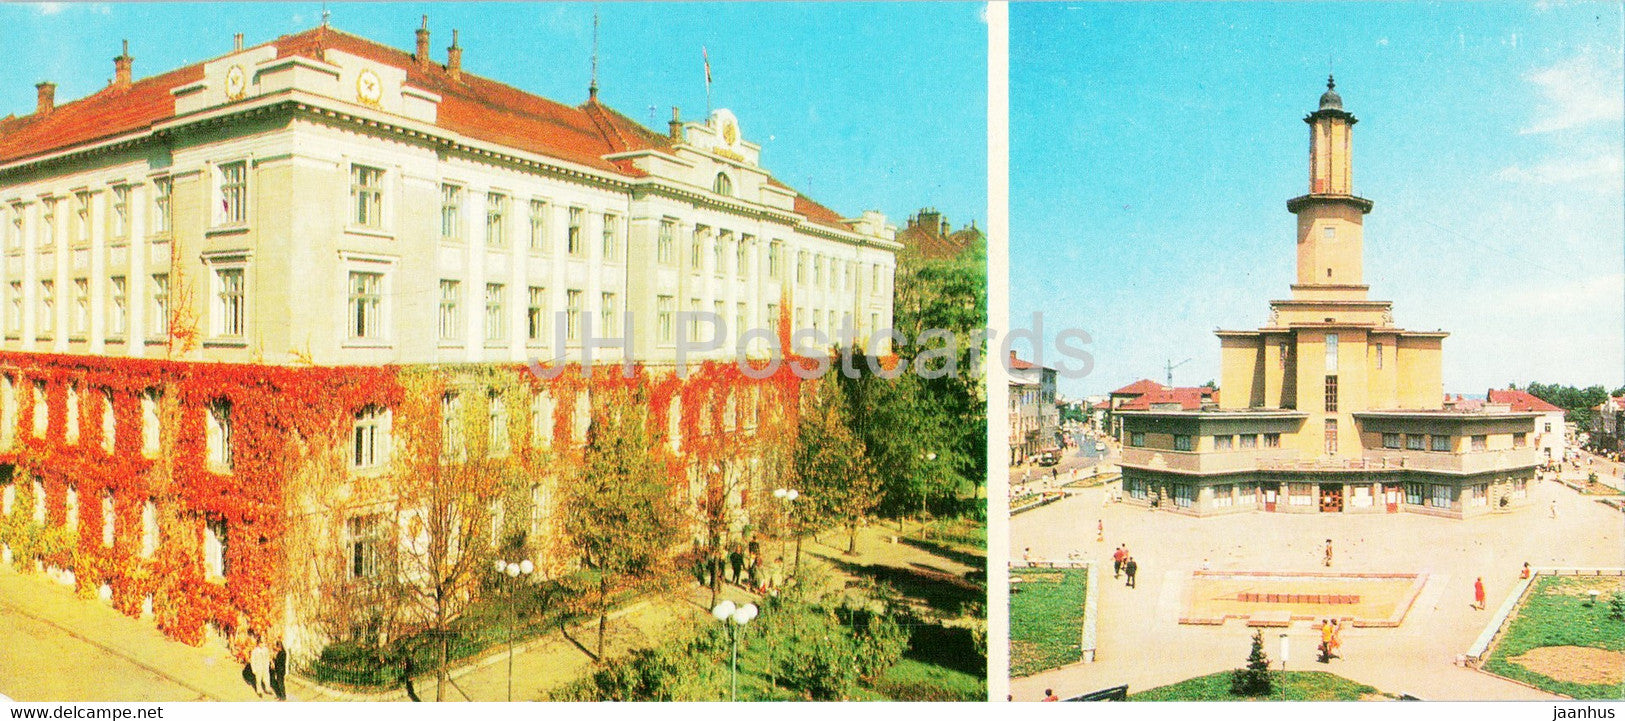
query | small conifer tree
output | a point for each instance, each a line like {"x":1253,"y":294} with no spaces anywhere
{"x":1254,"y":680}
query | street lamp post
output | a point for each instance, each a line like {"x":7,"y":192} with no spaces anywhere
{"x":509,"y":574}
{"x":739,"y":616}
{"x":788,"y":496}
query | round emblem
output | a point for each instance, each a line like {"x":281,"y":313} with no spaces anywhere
{"x":730,"y":133}
{"x":368,"y":87}
{"x":236,"y":82}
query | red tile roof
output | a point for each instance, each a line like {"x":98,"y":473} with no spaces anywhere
{"x":1189,"y":399}
{"x":470,"y":105}
{"x":1521,"y":401}
{"x":1018,"y":364}
{"x":1139,"y":387}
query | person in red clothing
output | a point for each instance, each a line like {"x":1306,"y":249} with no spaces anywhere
{"x":1478,"y":593}
{"x":1117,"y":560}
{"x":1525,"y":573}
{"x":1049,"y":695}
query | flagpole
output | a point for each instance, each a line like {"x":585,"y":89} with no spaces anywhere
{"x":706,"y":56}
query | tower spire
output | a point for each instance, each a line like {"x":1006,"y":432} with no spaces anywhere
{"x":592,"y":86}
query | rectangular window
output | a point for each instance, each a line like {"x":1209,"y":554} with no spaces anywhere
{"x":119,"y":306}
{"x":366,"y":305}
{"x":742,"y":255}
{"x":159,"y":322}
{"x":1224,"y":495}
{"x":1441,"y":443}
{"x":1480,"y":443}
{"x":1272,"y":440}
{"x":218,"y":435}
{"x":572,"y":315}
{"x":665,"y":253}
{"x":495,"y":327}
{"x":693,"y":319}
{"x":149,"y":529}
{"x":610,"y":314}
{"x":121,"y":211}
{"x":572,"y":238}
{"x":739,"y":318}
{"x":1379,"y":356}
{"x":1331,"y":394}
{"x":1331,"y":436}
{"x":1182,"y":442}
{"x":47,"y":307}
{"x":109,"y":518}
{"x":42,"y":412}
{"x":14,"y":308}
{"x":150,"y":428}
{"x":1413,"y":493}
{"x":775,"y":260}
{"x":1331,"y":352}
{"x":80,"y":318}
{"x":1520,"y":440}
{"x":496,"y":216}
{"x":14,"y":229}
{"x":1300,"y":494}
{"x":162,"y":220}
{"x":497,"y":422}
{"x":612,"y":237}
{"x":1286,"y":352}
{"x":216,"y":539}
{"x":665,"y":318}
{"x":801,"y":266}
{"x":1415,"y":442}
{"x":81,"y":216}
{"x":109,"y":422}
{"x":233,"y":179}
{"x":1390,"y":440}
{"x":451,"y":211}
{"x":1443,"y":496}
{"x":229,"y":302}
{"x":370,"y":434}
{"x":366,"y":196}
{"x":536,"y":314}
{"x":451,"y":320}
{"x":47,"y":239}
{"x":538,"y":226}
{"x":364,"y":535}
{"x":1223,"y":443}
{"x":695,"y":252}
{"x":719,"y":251}
{"x":70,"y":425}
{"x":1249,"y":440}
{"x":1183,"y":495}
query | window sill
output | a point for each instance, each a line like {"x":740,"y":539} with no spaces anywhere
{"x":225,"y":343}
{"x":114,"y":341}
{"x":367,"y":343}
{"x":225,"y":230}
{"x":157,"y":341}
{"x":369,"y":232}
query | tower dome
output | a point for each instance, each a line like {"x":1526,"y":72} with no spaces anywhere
{"x":1330,"y":100}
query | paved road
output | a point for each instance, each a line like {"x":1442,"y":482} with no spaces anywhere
{"x":1141,"y":643}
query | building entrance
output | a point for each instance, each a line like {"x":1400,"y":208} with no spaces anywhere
{"x":1331,"y":498}
{"x":1392,"y":494}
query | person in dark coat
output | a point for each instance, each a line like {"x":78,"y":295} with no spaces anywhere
{"x":279,"y":672}
{"x":736,"y":563}
{"x":1130,"y":567}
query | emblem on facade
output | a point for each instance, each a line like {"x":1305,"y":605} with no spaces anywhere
{"x":369,"y":89}
{"x":236,"y":83}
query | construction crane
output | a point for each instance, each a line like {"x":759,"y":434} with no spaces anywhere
{"x":1171,"y":366}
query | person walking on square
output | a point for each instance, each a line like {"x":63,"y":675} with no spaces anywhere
{"x":1326,"y":641}
{"x":1328,"y":553}
{"x":736,"y":564}
{"x":1100,"y":531}
{"x":1554,"y":509}
{"x":1337,"y":639}
{"x":279,"y":672}
{"x":1130,"y":567}
{"x":1478,"y":593}
{"x":1117,"y":560}
{"x":1525,"y":573}
{"x":259,"y":661}
{"x":1049,"y":695}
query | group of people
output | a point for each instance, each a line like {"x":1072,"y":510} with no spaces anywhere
{"x":1331,"y":640}
{"x":269,"y":671}
{"x":1123,"y":564}
{"x":742,"y":566}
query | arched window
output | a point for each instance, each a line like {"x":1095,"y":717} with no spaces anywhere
{"x":724,"y":185}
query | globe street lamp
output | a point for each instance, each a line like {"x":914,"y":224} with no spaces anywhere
{"x":739,"y":615}
{"x":787,"y":496}
{"x":508,"y":574}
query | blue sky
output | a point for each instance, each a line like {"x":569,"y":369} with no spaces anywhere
{"x":1153,"y":148}
{"x":860,"y":106}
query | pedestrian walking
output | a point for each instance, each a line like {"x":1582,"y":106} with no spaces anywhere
{"x":1554,"y":509}
{"x":1328,"y":553}
{"x":736,"y":564}
{"x":1117,"y":560}
{"x":1027,"y":554}
{"x":1130,"y":567}
{"x":1100,"y":531}
{"x":1525,"y":573}
{"x":1478,"y":593}
{"x":259,"y":661}
{"x":1337,"y":639}
{"x":279,"y":672}
{"x":1326,"y":641}
{"x":1049,"y":695}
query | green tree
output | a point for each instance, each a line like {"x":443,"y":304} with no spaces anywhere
{"x":619,"y":511}
{"x":833,"y":464}
{"x":1254,"y":680}
{"x":917,"y":448}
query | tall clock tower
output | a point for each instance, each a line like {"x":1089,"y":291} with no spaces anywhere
{"x":1330,"y":216}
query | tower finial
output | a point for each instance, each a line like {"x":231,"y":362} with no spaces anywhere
{"x":592,"y":85}
{"x":1331,"y":83}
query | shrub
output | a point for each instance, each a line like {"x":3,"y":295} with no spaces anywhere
{"x":1616,"y":606}
{"x":816,"y":658}
{"x":881,"y":643}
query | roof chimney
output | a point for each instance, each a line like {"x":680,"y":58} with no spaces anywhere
{"x":454,"y":58}
{"x":121,"y":68}
{"x":237,"y":43}
{"x":674,"y":127}
{"x":422,"y":55}
{"x":47,"y":98}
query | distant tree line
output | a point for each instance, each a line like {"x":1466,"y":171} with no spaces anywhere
{"x":1578,"y":403}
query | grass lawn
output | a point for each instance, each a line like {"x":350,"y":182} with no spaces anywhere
{"x":1289,"y":686}
{"x":1554,"y":613}
{"x":1046,"y":618}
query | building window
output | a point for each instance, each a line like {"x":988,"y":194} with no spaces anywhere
{"x":1183,"y":495}
{"x":14,"y":308}
{"x":364,"y":536}
{"x":451,"y":211}
{"x":39,"y":503}
{"x":1478,"y":494}
{"x":536,"y":314}
{"x":1223,"y":443}
{"x":1331,"y":394}
{"x":1415,"y":442}
{"x":739,"y":318}
{"x":611,"y":315}
{"x":538,"y":226}
{"x":451,"y":320}
{"x":47,"y":307}
{"x":218,"y":434}
{"x":14,"y":229}
{"x":1329,"y":232}
{"x":150,"y":428}
{"x":665,"y":319}
{"x":775,"y":260}
{"x":216,"y":543}
{"x":70,"y":430}
{"x":572,"y":238}
{"x":1331,"y":436}
{"x":497,"y":423}
{"x":693,"y":319}
{"x":233,"y":180}
{"x":366,"y":196}
{"x":665,"y":254}
{"x":109,"y":422}
{"x":42,"y":412}
{"x":228,"y":302}
{"x":119,"y":310}
{"x":1137,"y":439}
{"x":742,"y":255}
{"x":1182,"y":442}
{"x":1137,"y":489}
{"x":160,"y":304}
{"x":149,"y":529}
{"x":612,"y":237}
{"x":81,"y":216}
{"x":162,"y":194}
{"x":451,"y":437}
{"x":696,"y":254}
{"x":366,"y":305}
{"x":1224,"y":495}
{"x":80,"y":319}
{"x":1272,"y":440}
{"x":1520,"y":440}
{"x":8,"y":410}
{"x":1413,"y":493}
{"x":718,"y":251}
{"x":109,"y":518}
{"x":1441,"y":443}
{"x":121,"y":211}
{"x":572,"y":315}
{"x":1249,"y":440}
{"x":495,"y":328}
{"x":1443,"y":496}
{"x":47,"y":239}
{"x":496,"y":214}
{"x":1379,"y":356}
{"x":371,"y":435}
{"x":723,"y":185}
{"x":1331,"y":352}
{"x":1300,"y":494}
{"x":1480,"y":443}
{"x":1390,"y":440}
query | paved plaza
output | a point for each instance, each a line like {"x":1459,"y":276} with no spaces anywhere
{"x":1141,"y":643}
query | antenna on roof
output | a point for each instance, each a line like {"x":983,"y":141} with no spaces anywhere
{"x":592,"y":87}
{"x":325,"y":14}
